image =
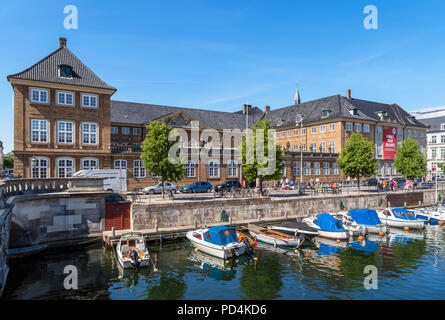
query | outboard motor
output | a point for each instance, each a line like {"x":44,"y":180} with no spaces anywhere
{"x":135,"y":259}
{"x":363,"y":230}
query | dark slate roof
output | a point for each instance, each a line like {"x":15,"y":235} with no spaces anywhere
{"x":47,"y":70}
{"x":254,"y":112}
{"x":140,"y":113}
{"x":434,"y":123}
{"x":339,"y":107}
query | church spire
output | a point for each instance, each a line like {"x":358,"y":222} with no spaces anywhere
{"x":297,"y":96}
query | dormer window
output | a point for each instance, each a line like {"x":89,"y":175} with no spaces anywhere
{"x":325,"y":113}
{"x":412,"y":119}
{"x":65,"y":71}
{"x":353,"y":111}
{"x":442,"y":126}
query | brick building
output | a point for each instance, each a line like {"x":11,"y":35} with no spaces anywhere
{"x":65,"y":121}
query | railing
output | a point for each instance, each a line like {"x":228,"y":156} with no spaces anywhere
{"x":125,"y":149}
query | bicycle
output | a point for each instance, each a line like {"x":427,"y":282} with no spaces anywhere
{"x":171,"y":195}
{"x":135,"y":197}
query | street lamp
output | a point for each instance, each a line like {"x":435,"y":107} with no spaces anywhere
{"x":435,"y":178}
{"x":299,"y":121}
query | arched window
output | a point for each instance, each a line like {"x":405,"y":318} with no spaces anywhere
{"x":213,"y":169}
{"x":39,"y":167}
{"x":190,"y":169}
{"x":89,"y":163}
{"x":232,"y":169}
{"x":65,"y":167}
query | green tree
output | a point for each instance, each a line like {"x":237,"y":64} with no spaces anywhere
{"x":155,"y":153}
{"x":8,"y":161}
{"x":255,"y":168}
{"x":357,"y":158}
{"x":410,"y":161}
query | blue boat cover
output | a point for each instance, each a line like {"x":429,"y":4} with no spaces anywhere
{"x":221,"y":235}
{"x":326,"y":222}
{"x":365,"y":217}
{"x":368,"y":246}
{"x":404,"y":214}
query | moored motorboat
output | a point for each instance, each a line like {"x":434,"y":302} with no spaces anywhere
{"x":273,"y":237}
{"x":296,"y":228}
{"x":400,"y":218}
{"x":349,"y":224}
{"x":328,"y":226}
{"x":218,"y":241}
{"x":132,"y":252}
{"x":431,"y":215}
{"x":369,"y":219}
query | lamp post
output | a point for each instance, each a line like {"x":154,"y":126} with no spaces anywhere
{"x":435,"y":178}
{"x":299,"y":121}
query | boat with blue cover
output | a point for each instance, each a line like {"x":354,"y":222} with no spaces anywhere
{"x":369,"y":219}
{"x":431,"y":215}
{"x":328,"y":226}
{"x":400,"y":218}
{"x":218,"y":241}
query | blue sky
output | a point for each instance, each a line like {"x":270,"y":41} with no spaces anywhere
{"x":220,"y":54}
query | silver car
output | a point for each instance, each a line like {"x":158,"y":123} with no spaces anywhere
{"x":168,"y":186}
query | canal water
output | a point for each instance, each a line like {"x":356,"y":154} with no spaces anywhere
{"x":409,"y":266}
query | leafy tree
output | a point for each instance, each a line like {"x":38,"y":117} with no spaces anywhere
{"x":410,"y":161}
{"x":357,"y":158}
{"x":8,"y":161}
{"x":155,"y":153}
{"x":254,"y":167}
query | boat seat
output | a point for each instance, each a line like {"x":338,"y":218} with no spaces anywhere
{"x":125,"y":250}
{"x":140,"y":247}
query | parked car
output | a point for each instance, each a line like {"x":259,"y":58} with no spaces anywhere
{"x":371,"y":182}
{"x":400,"y":181}
{"x":168,"y":186}
{"x":227,"y":186}
{"x":202,"y":186}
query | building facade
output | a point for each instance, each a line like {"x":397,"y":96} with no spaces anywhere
{"x":65,"y":120}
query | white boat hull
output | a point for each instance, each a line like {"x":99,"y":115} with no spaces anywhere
{"x":127,"y":264}
{"x":223,"y":252}
{"x":337,"y":235}
{"x":400,"y":223}
{"x":275,"y":242}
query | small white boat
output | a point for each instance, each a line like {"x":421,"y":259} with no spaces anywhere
{"x":432,"y":215}
{"x":349,"y":224}
{"x":328,"y":226}
{"x":218,"y":241}
{"x":368,"y":219}
{"x":400,"y":218}
{"x":272,"y":237}
{"x":132,"y":252}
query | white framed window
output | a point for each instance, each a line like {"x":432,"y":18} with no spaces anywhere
{"x":65,"y":98}
{"x":65,"y":167}
{"x":138,"y":169}
{"x":232,"y":169}
{"x":39,"y":130}
{"x":307,"y":168}
{"x":322,"y":129}
{"x":295,"y":147}
{"x":433,"y":153}
{"x":332,"y":146}
{"x":214,"y":168}
{"x":316,"y":168}
{"x":303,"y":147}
{"x":120,"y":164}
{"x":358,"y":127}
{"x":348,"y":126}
{"x":366,"y":128}
{"x":136,"y":131}
{"x":314,"y":130}
{"x":114,"y":130}
{"x":89,"y":163}
{"x":296,"y":169}
{"x":335,"y":171}
{"x":89,"y":133}
{"x":326,"y":168}
{"x":125,"y":130}
{"x":282,"y":134}
{"x":89,"y":100}
{"x":65,"y":132}
{"x":39,"y":167}
{"x":433,"y":139}
{"x":303,"y":131}
{"x":39,"y":96}
{"x":314,"y":147}
{"x":323,"y":146}
{"x":442,"y":126}
{"x":289,"y":133}
{"x":332,"y":127}
{"x":442,"y":139}
{"x":295,"y":132}
{"x":190,"y":169}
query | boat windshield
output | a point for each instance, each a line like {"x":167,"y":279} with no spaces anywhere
{"x":410,"y":214}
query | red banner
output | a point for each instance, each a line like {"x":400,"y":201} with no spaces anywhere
{"x":389,"y":142}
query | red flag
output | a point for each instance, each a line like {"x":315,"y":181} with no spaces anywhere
{"x":255,"y":241}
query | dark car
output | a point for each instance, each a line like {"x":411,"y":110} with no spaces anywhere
{"x":372,"y":182}
{"x":229,"y":185}
{"x":202,"y":186}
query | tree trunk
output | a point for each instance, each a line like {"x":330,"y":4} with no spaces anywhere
{"x":358,"y":182}
{"x":261,"y":186}
{"x":163,"y":186}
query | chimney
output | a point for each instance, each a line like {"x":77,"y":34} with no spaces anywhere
{"x":348,"y":94}
{"x":62,"y":42}
{"x":244,"y":108}
{"x":266,"y":109}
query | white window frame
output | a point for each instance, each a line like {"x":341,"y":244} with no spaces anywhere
{"x":349,"y":126}
{"x":89,"y":166}
{"x":39,"y":168}
{"x":39,"y":131}
{"x":366,"y":128}
{"x":314,"y":130}
{"x":316,"y":168}
{"x":332,"y":146}
{"x":358,"y":127}
{"x":126,"y":128}
{"x":335,"y":171}
{"x":296,"y":169}
{"x":232,"y":169}
{"x":39,"y":90}
{"x":289,"y":133}
{"x":326,"y":169}
{"x":213,"y":169}
{"x":118,"y":164}
{"x":295,"y":132}
{"x":303,"y":131}
{"x":282,"y":134}
{"x":307,"y":168}
{"x":65,"y":132}
{"x":322,"y":129}
{"x":67,"y":173}
{"x":139,"y":169}
{"x":332,"y":127}
{"x":65,"y":94}
{"x":89,"y":96}
{"x":90,"y":134}
{"x":190,"y":169}
{"x":323,"y":146}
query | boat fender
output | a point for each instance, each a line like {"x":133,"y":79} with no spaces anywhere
{"x":135,"y":258}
